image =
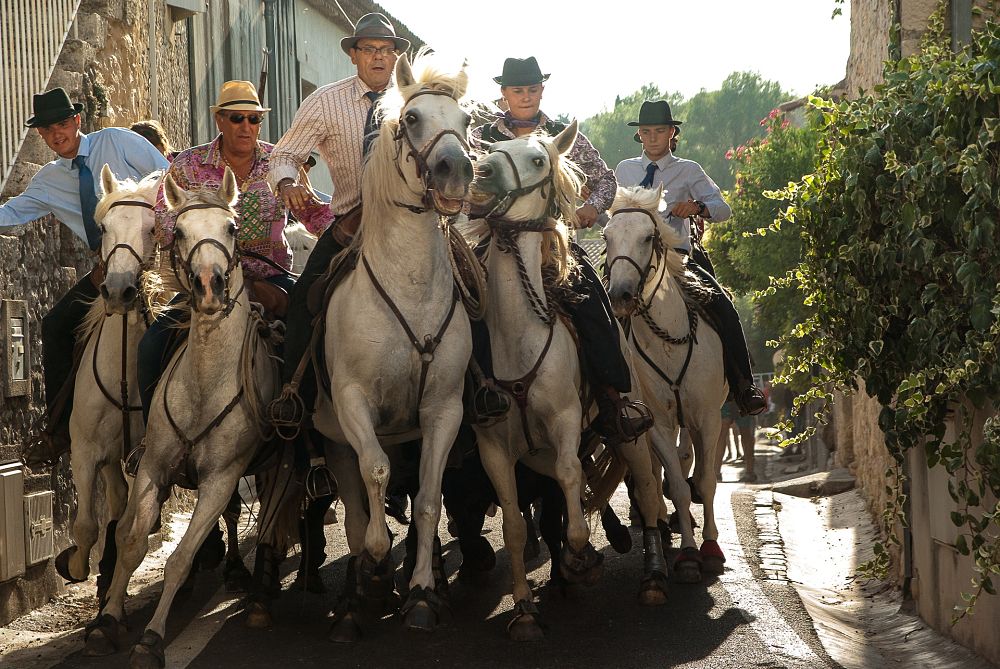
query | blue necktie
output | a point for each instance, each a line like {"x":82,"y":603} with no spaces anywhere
{"x":648,"y":181}
{"x":371,"y":126}
{"x":88,"y":203}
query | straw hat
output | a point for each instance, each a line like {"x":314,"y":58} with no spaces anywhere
{"x":238,"y":96}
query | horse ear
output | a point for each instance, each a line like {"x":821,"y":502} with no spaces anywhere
{"x":564,"y":140}
{"x":228,"y":190}
{"x":108,"y":182}
{"x":404,"y":73}
{"x":173,"y":195}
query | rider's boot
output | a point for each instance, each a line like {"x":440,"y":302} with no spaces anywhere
{"x":749,"y":398}
{"x":619,"y":419}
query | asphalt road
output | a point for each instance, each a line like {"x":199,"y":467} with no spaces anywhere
{"x":740,"y":619}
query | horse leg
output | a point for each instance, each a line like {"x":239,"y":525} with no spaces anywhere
{"x":581,"y":562}
{"x":467,"y":493}
{"x":235,"y":573}
{"x":440,"y":427}
{"x":343,"y":462}
{"x":685,"y":452}
{"x":712,"y":556}
{"x":132,"y":536}
{"x":687,"y":565}
{"x":116,"y":493}
{"x":214,"y":492}
{"x":551,"y":527}
{"x":653,"y":588}
{"x":524,"y":625}
{"x":73,"y":564}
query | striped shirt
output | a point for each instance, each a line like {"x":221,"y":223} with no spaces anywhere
{"x":331,"y":119}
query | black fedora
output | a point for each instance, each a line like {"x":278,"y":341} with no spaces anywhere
{"x":654,"y":112}
{"x":51,"y":107}
{"x":521,"y":72}
{"x":376,"y":26}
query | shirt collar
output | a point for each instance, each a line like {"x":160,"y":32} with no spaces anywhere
{"x":360,"y":88}
{"x":662,"y":162}
{"x":214,"y":158}
{"x":84,"y":151}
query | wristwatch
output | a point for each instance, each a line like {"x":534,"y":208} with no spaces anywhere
{"x":702,"y":209}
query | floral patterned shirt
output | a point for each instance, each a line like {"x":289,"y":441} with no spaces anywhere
{"x":260,"y":214}
{"x":601,"y":181}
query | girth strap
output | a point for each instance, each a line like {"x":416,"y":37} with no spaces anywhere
{"x":674,"y":385}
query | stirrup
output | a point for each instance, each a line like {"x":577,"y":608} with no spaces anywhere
{"x":133,"y":458}
{"x":320,"y":481}
{"x":489,"y":403}
{"x":630,"y":421}
{"x":286,"y":412}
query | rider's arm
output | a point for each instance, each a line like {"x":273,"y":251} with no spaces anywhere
{"x":24,"y":208}
{"x":704,"y":190}
{"x":600,"y":179}
{"x":308,"y":130}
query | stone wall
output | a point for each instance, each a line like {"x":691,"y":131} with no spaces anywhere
{"x":104,"y":64}
{"x":870,"y":24}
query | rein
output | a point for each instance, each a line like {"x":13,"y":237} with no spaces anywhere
{"x":420,"y":156}
{"x":232,"y":259}
{"x":429,"y":345}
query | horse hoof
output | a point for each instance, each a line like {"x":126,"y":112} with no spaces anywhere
{"x":687,"y":566}
{"x":525,"y":625}
{"x":620,"y":539}
{"x":713,"y":559}
{"x":585,"y":567}
{"x":258,"y":616}
{"x":653,"y":591}
{"x":102,"y":637}
{"x":376,"y":577}
{"x":345,"y":629}
{"x":237,"y":576}
{"x":420,"y":618}
{"x":62,"y":565}
{"x":148,"y":653}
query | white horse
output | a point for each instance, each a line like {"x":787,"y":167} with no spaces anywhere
{"x":535,"y":358}
{"x":106,"y":421}
{"x":205,"y":420}
{"x":679,"y":366}
{"x":397,"y":341}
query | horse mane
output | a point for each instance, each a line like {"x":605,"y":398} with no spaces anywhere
{"x":129,"y":189}
{"x":379,"y":172}
{"x":567,"y":179}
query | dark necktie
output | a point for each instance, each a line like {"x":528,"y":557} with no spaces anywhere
{"x":88,"y":203}
{"x":648,"y":181}
{"x":371,"y":123}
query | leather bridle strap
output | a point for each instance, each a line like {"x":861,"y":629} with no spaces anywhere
{"x":504,"y":205}
{"x":430,"y":343}
{"x":232,"y":259}
{"x":519,"y":389}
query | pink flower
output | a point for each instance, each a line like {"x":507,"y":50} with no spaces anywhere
{"x":729,"y":154}
{"x":785,"y":124}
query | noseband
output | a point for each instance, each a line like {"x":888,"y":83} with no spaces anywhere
{"x":127,"y":247}
{"x":657,"y":253}
{"x":232,"y":259}
{"x":504,"y":205}
{"x":420,"y":156}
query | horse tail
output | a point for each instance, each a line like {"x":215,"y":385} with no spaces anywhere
{"x":604,"y":473}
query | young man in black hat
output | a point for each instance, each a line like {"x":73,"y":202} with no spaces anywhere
{"x":522,"y":85}
{"x":68,"y":188}
{"x":690,"y":192}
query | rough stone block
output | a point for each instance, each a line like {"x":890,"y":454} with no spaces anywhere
{"x":92,"y":28}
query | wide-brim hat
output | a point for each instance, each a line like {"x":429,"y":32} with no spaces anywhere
{"x":51,"y":107}
{"x":521,"y":72}
{"x":654,"y":112}
{"x":238,"y":96}
{"x":374,"y":26}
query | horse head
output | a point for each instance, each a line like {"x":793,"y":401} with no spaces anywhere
{"x":205,"y":245}
{"x":125,"y":216}
{"x":528,"y":178}
{"x":427,"y":142}
{"x":638,"y":244}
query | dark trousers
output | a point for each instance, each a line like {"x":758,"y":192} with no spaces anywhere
{"x":163,"y":336}
{"x":298,"y":323}
{"x":595,"y":325}
{"x":58,"y":344}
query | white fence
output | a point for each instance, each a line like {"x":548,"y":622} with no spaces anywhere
{"x":32,"y":33}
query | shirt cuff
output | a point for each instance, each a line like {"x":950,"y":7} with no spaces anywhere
{"x":279,"y":172}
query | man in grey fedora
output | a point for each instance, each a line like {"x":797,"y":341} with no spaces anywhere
{"x":690,"y":192}
{"x":68,"y":188}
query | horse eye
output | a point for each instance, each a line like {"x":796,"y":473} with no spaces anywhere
{"x":411,"y":118}
{"x":178,"y":233}
{"x":231,"y":229}
{"x":649,"y":239}
{"x":538,"y":161}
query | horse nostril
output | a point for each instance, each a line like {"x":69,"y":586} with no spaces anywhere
{"x":627,"y":296}
{"x":484,"y":170}
{"x":129,"y":294}
{"x":443,"y":168}
{"x":104,"y":292}
{"x":218,"y":283}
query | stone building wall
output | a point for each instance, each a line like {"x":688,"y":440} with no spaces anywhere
{"x":870,"y":24}
{"x":104,"y":64}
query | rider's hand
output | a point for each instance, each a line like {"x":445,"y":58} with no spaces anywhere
{"x":685,"y":209}
{"x":296,"y":197}
{"x":586,"y":216}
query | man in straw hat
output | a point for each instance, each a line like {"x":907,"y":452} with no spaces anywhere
{"x":67,"y":188}
{"x":689,"y":193}
{"x":335,"y":119}
{"x":522,"y":85}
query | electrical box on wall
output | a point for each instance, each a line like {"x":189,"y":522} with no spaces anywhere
{"x":11,"y":521}
{"x":38,"y":527}
{"x":16,"y":352}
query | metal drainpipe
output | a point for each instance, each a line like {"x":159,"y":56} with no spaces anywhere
{"x":192,"y":84}
{"x":154,"y":93}
{"x":272,"y":90}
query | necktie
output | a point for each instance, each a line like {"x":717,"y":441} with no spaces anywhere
{"x":88,"y":203}
{"x":371,"y":124}
{"x":648,"y":181}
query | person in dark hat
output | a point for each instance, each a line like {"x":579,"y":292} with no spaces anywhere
{"x":67,"y":188}
{"x":522,"y":84}
{"x":691,"y":193}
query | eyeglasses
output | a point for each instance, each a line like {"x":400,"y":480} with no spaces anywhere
{"x":254,"y":119}
{"x":370,"y":51}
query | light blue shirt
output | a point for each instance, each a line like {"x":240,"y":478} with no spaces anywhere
{"x":55,"y":189}
{"x":682,"y":180}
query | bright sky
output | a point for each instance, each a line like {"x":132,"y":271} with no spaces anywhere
{"x":596,"y":51}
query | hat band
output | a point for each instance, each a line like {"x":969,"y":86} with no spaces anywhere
{"x":239,"y":102}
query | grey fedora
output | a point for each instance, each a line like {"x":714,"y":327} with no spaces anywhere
{"x":521,"y":72}
{"x":654,"y":112}
{"x":375,"y":26}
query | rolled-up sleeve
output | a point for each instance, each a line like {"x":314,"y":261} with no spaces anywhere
{"x":309,"y":128}
{"x":600,"y":179}
{"x":705,"y":190}
{"x":24,"y":208}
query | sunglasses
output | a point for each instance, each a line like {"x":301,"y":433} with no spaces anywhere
{"x":254,"y":119}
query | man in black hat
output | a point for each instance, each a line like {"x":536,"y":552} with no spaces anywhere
{"x":522,"y":85}
{"x":68,"y":188}
{"x":689,"y":193}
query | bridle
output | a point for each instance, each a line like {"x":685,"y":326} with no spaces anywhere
{"x":127,"y":247}
{"x":421,"y":155}
{"x":232,"y":259}
{"x":503,"y":206}
{"x":655,"y":259}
